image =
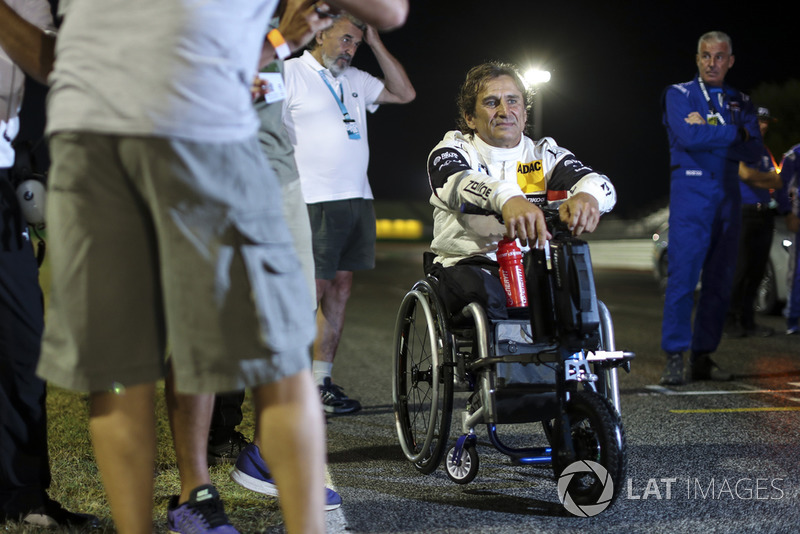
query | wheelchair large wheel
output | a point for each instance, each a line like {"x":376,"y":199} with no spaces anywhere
{"x":423,"y":378}
{"x":597,"y":436}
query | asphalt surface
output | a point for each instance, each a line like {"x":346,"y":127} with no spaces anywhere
{"x":703,"y":457}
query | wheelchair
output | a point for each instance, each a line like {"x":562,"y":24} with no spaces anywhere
{"x":553,"y":363}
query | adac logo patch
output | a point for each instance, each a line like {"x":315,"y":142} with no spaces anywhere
{"x":530,"y":177}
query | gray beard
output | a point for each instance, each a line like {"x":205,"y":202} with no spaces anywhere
{"x":331,"y":65}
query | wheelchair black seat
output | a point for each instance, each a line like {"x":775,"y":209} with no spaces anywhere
{"x":474,"y":279}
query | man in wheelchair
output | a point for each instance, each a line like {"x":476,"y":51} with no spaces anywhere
{"x":490,"y":180}
{"x":555,"y":363}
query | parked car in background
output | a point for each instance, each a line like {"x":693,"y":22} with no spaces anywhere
{"x":774,"y":288}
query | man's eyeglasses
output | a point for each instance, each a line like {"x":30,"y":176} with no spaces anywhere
{"x":348,"y":41}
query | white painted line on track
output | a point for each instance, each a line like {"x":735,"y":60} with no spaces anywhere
{"x":742,"y":392}
{"x":747,"y":390}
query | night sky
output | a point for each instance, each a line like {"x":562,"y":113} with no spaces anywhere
{"x":610,"y":62}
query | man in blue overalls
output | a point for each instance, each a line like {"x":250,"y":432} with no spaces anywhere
{"x":711,"y":128}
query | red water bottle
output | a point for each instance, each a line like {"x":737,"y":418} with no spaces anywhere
{"x":512,"y":275}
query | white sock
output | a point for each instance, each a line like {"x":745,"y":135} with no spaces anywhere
{"x":321,"y":370}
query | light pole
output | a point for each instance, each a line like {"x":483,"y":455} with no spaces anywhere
{"x":535,"y":78}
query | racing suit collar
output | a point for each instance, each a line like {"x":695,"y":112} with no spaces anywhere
{"x":493,"y":154}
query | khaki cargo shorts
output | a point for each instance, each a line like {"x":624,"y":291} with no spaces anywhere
{"x":156,"y":240}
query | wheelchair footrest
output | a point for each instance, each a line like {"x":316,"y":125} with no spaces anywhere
{"x":520,"y":456}
{"x":611,"y":358}
{"x":534,"y":456}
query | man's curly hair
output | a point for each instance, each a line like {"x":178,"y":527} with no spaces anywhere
{"x":476,"y":79}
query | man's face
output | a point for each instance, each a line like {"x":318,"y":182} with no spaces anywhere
{"x":500,"y":116}
{"x":713,"y":62}
{"x":763,"y":125}
{"x":338,"y":45}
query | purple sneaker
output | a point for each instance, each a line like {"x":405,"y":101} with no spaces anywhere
{"x":251,"y":472}
{"x":203,"y":512}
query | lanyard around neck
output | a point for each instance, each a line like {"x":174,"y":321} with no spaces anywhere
{"x":339,"y":98}
{"x":349,"y":124}
{"x":711,"y":108}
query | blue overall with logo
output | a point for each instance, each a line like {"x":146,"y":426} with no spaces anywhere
{"x":705,"y":204}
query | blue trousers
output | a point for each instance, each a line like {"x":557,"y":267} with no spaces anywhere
{"x":704,"y":225}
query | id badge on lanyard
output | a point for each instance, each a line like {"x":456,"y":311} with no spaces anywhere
{"x":713,"y":116}
{"x":351,"y":127}
{"x":349,"y":123}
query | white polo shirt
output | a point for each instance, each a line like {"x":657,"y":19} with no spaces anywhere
{"x":332,"y":166}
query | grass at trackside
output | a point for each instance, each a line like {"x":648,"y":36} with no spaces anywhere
{"x":76,"y":480}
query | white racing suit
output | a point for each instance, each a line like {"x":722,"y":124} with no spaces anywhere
{"x":471,"y":181}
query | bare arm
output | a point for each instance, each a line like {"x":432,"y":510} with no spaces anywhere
{"x":383,"y":14}
{"x":27,"y":46}
{"x":299,"y":22}
{"x":760,"y":179}
{"x":397,"y":87}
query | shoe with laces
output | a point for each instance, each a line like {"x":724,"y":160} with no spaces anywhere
{"x":227,"y":450}
{"x":704,"y":368}
{"x":673,"y":372}
{"x":203,"y":512}
{"x":252,"y":473}
{"x":734,"y":330}
{"x":334,"y":401}
{"x":758,"y":330}
{"x":792,"y":326}
{"x":52,"y":515}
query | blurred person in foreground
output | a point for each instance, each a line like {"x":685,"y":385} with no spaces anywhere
{"x":27,"y":34}
{"x":711,"y":127}
{"x":490,"y":180}
{"x":225,"y":443}
{"x":166,"y":225}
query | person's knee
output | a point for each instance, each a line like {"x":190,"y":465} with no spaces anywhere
{"x":340,"y":287}
{"x":298,"y":388}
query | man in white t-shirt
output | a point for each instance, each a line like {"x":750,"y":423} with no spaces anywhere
{"x":325,"y":115}
{"x":165,"y":225}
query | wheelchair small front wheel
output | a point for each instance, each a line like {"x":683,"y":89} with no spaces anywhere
{"x":598,"y":436}
{"x":465,"y":469}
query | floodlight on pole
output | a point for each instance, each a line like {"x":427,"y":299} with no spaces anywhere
{"x":535,"y":78}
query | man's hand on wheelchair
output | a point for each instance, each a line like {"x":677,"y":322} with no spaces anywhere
{"x":580,"y":212}
{"x":525,"y":221}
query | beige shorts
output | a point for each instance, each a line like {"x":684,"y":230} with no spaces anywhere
{"x":155,"y":240}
